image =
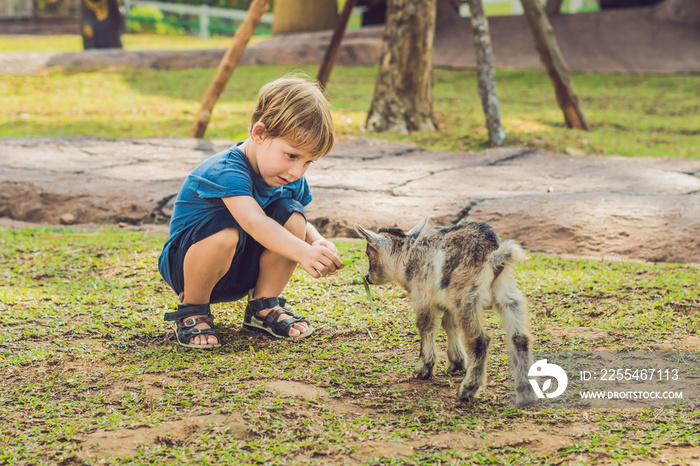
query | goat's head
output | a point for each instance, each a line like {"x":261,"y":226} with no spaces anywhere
{"x":383,"y":251}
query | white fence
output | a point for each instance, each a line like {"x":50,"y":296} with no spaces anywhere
{"x":203,"y":11}
{"x":16,"y":9}
{"x":516,"y":8}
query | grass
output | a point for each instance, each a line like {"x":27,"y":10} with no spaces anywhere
{"x":630,"y":115}
{"x":90,"y":368}
{"x":74,"y":43}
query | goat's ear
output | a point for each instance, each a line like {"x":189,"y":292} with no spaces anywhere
{"x":372,"y":238}
{"x":415,"y":231}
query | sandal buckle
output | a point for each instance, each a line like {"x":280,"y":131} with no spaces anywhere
{"x":189,"y":322}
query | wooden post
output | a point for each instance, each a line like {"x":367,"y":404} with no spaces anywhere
{"x":101,"y":24}
{"x":485,"y":77}
{"x":227,"y":65}
{"x":332,"y":51}
{"x":553,"y":61}
{"x":291,"y":16}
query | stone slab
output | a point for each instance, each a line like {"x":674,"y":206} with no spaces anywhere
{"x":646,"y":209}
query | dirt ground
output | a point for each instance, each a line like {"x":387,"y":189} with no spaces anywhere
{"x":540,"y":431}
{"x":583,"y":206}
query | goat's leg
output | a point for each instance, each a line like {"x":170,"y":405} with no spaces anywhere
{"x":511,"y":306}
{"x":475,"y":378}
{"x":477,"y":342}
{"x":426,"y":323}
{"x":456,"y":355}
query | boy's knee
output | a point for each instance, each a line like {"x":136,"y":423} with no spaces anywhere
{"x":296,"y":225}
{"x":225,"y":239}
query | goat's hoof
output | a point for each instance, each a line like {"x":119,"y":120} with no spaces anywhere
{"x":524,"y":402}
{"x":524,"y":396}
{"x":424,"y":372}
{"x":455,"y":366}
{"x":467,"y":393}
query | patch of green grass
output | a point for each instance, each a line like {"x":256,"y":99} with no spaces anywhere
{"x":74,"y":42}
{"x":629,"y":115}
{"x":86,"y":358}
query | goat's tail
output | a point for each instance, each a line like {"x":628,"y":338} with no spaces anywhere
{"x":509,"y":253}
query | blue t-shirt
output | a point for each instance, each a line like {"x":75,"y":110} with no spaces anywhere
{"x":225,"y":174}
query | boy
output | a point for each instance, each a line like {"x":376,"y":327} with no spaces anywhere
{"x":239,"y":227}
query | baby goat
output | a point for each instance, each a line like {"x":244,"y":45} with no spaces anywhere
{"x":456,"y":273}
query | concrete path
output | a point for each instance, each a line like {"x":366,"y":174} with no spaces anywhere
{"x":646,"y":209}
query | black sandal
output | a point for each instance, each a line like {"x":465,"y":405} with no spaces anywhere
{"x":269,"y":324}
{"x":184,"y":324}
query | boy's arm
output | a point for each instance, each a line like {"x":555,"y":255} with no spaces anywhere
{"x":316,"y":260}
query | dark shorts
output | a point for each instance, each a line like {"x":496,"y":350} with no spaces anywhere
{"x":245,"y":267}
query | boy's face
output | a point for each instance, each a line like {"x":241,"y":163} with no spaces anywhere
{"x":279,"y":162}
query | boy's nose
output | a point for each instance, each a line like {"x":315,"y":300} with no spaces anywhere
{"x":296,"y":171}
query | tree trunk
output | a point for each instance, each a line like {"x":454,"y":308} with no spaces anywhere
{"x":553,"y":61}
{"x":403,"y":94}
{"x":324,"y":72}
{"x":227,"y":65}
{"x":679,"y":11}
{"x":101,"y":24}
{"x":553,"y":7}
{"x":485,"y":77}
{"x":292,"y":16}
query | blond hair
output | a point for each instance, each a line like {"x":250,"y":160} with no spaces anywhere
{"x":296,"y":110}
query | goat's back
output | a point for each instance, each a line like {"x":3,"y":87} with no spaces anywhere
{"x":445,"y":257}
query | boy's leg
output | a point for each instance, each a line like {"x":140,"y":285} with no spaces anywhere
{"x":276,"y":270}
{"x":206,"y":262}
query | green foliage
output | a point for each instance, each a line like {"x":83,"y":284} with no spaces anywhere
{"x":144,"y":19}
{"x":150,"y":19}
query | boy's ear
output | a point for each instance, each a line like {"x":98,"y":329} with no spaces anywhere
{"x":257,"y":132}
{"x":373,"y":239}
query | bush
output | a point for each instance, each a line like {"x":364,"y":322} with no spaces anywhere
{"x":151,"y":19}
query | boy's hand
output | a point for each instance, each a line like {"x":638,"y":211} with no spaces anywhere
{"x":321,"y":259}
{"x":326,"y":244}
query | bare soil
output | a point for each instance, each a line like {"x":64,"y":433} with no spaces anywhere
{"x":538,"y":431}
{"x":583,"y":206}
